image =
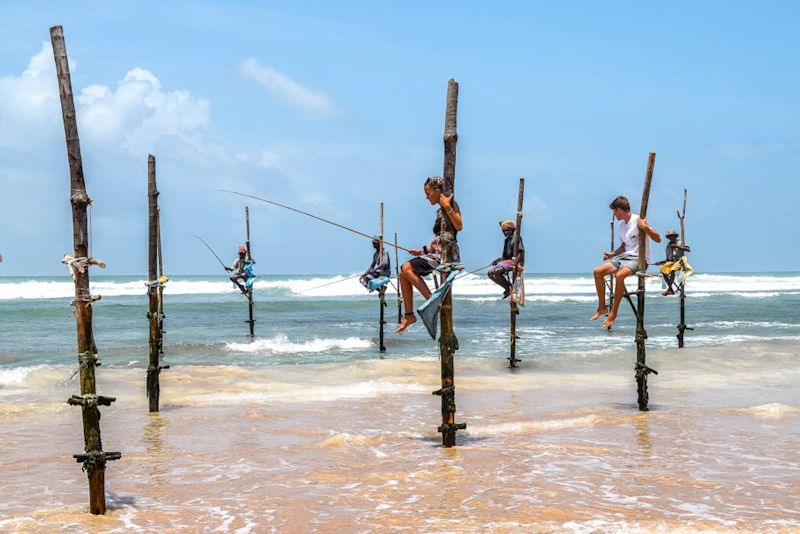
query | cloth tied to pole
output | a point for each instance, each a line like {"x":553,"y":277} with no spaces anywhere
{"x":681,"y":266}
{"x":377,"y":283}
{"x":251,"y":275}
{"x":429,"y":310}
{"x":152,"y":284}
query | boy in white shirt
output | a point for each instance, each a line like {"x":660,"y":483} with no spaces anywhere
{"x":624,"y":261}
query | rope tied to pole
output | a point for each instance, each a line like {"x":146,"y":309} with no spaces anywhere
{"x":79,"y":265}
{"x":153,"y":284}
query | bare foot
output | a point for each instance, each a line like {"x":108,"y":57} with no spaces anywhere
{"x":408,"y":320}
{"x":598,"y":313}
{"x":609,"y":322}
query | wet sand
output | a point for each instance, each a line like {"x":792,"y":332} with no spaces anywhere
{"x":557,"y":445}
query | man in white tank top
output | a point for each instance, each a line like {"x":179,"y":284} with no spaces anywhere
{"x":624,"y":261}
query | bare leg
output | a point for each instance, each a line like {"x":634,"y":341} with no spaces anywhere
{"x":600,"y":272}
{"x":619,"y":291}
{"x":409,"y":279}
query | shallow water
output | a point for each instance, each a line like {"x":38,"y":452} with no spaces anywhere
{"x":554,"y":445}
{"x":308,"y":428}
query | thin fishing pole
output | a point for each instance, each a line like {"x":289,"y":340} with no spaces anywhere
{"x":212,"y":251}
{"x":472,"y":272}
{"x":312,"y":216}
{"x":330,"y":283}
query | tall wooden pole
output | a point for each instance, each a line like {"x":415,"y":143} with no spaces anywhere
{"x":94,"y":459}
{"x":611,"y":276}
{"x":512,"y":359}
{"x":397,"y":270}
{"x":642,"y":370}
{"x":153,"y":288}
{"x":160,"y":291}
{"x":448,"y":343}
{"x":382,"y":290}
{"x":684,"y":249}
{"x":250,"y":321}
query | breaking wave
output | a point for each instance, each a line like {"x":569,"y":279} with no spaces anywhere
{"x":545,"y":288}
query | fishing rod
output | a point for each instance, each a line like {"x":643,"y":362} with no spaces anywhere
{"x":329,"y":283}
{"x":212,"y":251}
{"x":472,"y":272}
{"x":312,"y":216}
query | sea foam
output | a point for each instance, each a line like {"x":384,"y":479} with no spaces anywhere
{"x":544,"y":288}
{"x":280,"y":344}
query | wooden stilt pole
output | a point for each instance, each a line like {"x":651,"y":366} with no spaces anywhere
{"x":382,"y":290}
{"x":250,"y":321}
{"x":611,"y":276}
{"x":94,"y":459}
{"x":684,"y":248}
{"x":512,"y":359}
{"x":448,"y":343}
{"x":642,"y":370}
{"x":160,"y":293}
{"x":397,"y":270}
{"x":154,"y":289}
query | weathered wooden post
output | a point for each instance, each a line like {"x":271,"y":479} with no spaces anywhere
{"x":154,"y":289}
{"x":382,"y":290}
{"x":611,"y":276}
{"x":94,"y":459}
{"x":397,"y":271}
{"x":161,"y":281}
{"x":642,"y":370}
{"x":250,"y":321}
{"x":448,"y":343}
{"x":684,"y":248}
{"x":512,"y":359}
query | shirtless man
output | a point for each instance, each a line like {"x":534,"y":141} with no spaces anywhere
{"x":624,"y":261}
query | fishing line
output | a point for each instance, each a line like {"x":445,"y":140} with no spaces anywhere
{"x":370,"y":237}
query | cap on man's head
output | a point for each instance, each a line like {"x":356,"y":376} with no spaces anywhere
{"x":242,"y":249}
{"x":672,"y":232}
{"x":508,"y":225}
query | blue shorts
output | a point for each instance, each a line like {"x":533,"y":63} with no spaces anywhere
{"x":626,"y":259}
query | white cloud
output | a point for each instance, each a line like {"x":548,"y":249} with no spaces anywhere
{"x":29,"y":104}
{"x":288,"y":89}
{"x":134,"y":117}
{"x":269,"y":160}
{"x":139,"y":113}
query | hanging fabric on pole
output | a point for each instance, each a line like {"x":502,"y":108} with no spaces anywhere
{"x":429,"y":310}
{"x":251,"y":276}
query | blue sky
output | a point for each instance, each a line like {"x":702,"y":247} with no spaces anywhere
{"x":333,"y":107}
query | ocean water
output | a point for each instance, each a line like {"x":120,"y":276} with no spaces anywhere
{"x":308,"y":428}
{"x":205,"y":319}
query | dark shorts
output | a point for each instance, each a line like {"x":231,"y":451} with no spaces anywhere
{"x":421,"y":266}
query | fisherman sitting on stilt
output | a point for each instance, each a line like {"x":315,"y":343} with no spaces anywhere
{"x":237,"y":269}
{"x":505,"y":263}
{"x":675,"y":262}
{"x":675,"y":252}
{"x":379,"y":271}
{"x":624,"y":261}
